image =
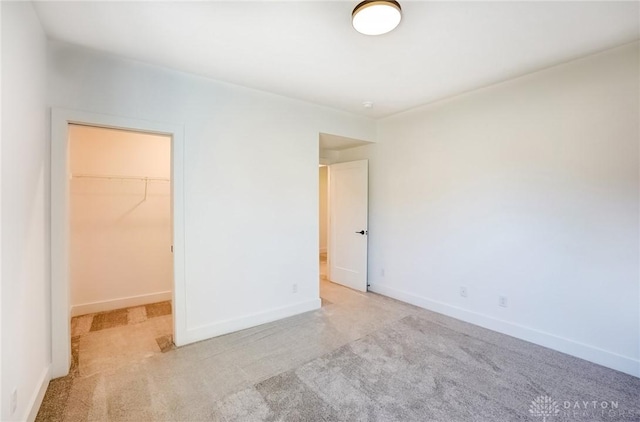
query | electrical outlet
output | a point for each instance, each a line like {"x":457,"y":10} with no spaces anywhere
{"x":14,"y":400}
{"x":294,"y":288}
{"x":502,"y":301}
{"x":463,"y":291}
{"x":382,"y":272}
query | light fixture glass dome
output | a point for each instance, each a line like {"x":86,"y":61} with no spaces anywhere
{"x":376,"y":17}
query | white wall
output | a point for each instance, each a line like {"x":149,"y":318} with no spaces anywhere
{"x":120,"y":242}
{"x":251,"y":187}
{"x":26,"y":332}
{"x":323,"y":197}
{"x":1,"y":137}
{"x":527,"y":189}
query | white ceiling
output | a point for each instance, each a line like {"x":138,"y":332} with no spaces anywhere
{"x":308,"y":49}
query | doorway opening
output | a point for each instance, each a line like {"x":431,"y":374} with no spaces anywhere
{"x":323,"y":175}
{"x":120,"y":263}
{"x":343,"y":212}
{"x":117,"y":236}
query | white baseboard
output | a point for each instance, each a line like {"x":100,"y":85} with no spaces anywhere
{"x":124,"y":302}
{"x":36,"y":399}
{"x":224,"y":327}
{"x":583,"y":351}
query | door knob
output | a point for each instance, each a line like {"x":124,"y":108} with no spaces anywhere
{"x":362,"y":232}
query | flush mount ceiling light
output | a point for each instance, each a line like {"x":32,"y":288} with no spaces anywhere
{"x":376,"y":17}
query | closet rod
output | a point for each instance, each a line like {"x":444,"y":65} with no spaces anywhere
{"x":142,"y":178}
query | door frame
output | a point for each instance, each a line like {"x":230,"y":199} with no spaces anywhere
{"x":60,"y":301}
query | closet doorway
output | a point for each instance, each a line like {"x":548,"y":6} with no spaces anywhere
{"x":120,"y":239}
{"x":62,"y":121}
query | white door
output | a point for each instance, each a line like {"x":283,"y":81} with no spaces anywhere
{"x":348,"y":203}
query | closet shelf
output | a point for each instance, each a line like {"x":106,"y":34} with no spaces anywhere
{"x":144,"y":179}
{"x":114,"y":177}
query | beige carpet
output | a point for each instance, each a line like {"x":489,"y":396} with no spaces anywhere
{"x":424,"y":369}
{"x":361,"y":357}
